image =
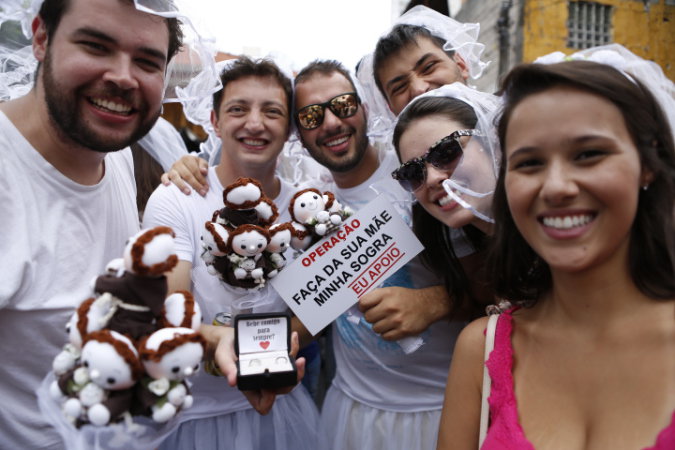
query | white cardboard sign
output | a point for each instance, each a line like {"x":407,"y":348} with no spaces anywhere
{"x":329,"y":277}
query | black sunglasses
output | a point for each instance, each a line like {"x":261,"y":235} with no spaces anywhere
{"x":443,"y":155}
{"x":343,"y":106}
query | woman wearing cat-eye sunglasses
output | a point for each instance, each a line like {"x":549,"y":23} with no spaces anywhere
{"x":443,"y":155}
{"x":443,"y":139}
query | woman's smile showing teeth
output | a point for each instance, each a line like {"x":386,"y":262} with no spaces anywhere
{"x":446,"y":202}
{"x":568,"y":225}
{"x":567,"y":222}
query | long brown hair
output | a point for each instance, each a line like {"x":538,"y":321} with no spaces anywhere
{"x":439,"y":254}
{"x":519,"y":273}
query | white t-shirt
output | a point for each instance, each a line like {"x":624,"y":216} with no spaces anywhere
{"x":55,"y":237}
{"x":186,"y":214}
{"x":376,"y":372}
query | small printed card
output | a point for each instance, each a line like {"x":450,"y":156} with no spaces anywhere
{"x":329,"y":277}
{"x":262,"y":341}
{"x":267,"y":334}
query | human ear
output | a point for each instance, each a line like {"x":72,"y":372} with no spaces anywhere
{"x":462,"y":65}
{"x":646,"y":178}
{"x":40,"y":40}
{"x":214,"y":122}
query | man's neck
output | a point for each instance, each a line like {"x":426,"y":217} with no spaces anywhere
{"x":29,"y":115}
{"x":228,"y":173}
{"x":359,"y":174}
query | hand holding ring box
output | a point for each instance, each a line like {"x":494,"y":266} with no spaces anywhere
{"x":262,"y":343}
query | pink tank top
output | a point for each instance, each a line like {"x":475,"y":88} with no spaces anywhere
{"x":505,"y":431}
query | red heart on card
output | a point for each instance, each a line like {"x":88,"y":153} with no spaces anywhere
{"x":265,"y":344}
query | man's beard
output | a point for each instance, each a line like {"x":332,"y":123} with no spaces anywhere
{"x":343,"y":164}
{"x":67,"y":118}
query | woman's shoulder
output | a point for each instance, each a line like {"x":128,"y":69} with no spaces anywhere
{"x":471,"y":341}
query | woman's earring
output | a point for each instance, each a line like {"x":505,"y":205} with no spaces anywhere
{"x":645,"y":187}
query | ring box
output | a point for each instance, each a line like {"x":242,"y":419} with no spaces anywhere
{"x":262,"y":343}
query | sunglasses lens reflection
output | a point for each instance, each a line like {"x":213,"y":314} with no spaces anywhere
{"x":344,"y":106}
{"x":311,"y":116}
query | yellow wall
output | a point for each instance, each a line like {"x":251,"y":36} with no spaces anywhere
{"x":650,"y":34}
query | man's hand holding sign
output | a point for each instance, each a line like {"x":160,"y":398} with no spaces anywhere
{"x":331,"y":276}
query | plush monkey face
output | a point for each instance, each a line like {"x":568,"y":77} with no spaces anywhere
{"x":107,"y":367}
{"x":249,"y":243}
{"x":88,"y":317}
{"x":306,"y":205}
{"x":180,"y":360}
{"x":177,"y":364}
{"x":280,"y":241}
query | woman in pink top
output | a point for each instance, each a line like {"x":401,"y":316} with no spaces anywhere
{"x":585,"y":245}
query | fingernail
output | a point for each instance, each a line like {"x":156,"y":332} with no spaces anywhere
{"x":186,"y":191}
{"x":202,"y":192}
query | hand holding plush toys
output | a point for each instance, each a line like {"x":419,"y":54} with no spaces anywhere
{"x":238,"y":244}
{"x":127,"y":339}
{"x":243,"y":247}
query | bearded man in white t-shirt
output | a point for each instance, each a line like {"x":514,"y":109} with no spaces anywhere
{"x":67,"y":195}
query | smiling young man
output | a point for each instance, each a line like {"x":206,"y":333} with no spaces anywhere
{"x":410,"y":61}
{"x":251,"y":115}
{"x":67,"y":194}
{"x":380,"y":397}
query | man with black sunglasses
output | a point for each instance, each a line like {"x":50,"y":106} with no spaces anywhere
{"x":375,"y":381}
{"x":331,"y":122}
